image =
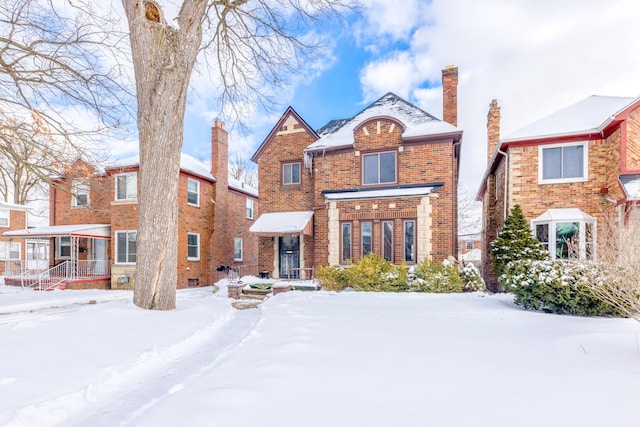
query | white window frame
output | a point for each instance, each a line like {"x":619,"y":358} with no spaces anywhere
{"x":249,"y":207}
{"x":582,"y":235}
{"x":236,"y":241}
{"x":197,"y":192}
{"x":5,"y":216}
{"x":79,"y":187}
{"x":585,"y":163}
{"x":128,"y":195}
{"x":197,"y":257}
{"x":127,"y":232}
{"x":284,"y":174}
{"x":5,"y":250}
{"x":60,"y":245}
{"x":378,"y":154}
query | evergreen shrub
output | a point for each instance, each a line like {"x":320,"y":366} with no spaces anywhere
{"x":472,"y":279}
{"x":437,"y":278}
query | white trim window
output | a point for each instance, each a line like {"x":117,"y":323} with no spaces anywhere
{"x":193,"y":192}
{"x":559,"y":163}
{"x":80,"y":193}
{"x":237,"y":249}
{"x":291,"y":173}
{"x":127,"y":186}
{"x":64,"y":246}
{"x":5,"y":214}
{"x":193,"y":246}
{"x":250,"y":206}
{"x":10,"y":250}
{"x":566,"y":233}
{"x":126,"y":247}
{"x":379,"y":168}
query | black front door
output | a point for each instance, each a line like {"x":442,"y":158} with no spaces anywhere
{"x":289,"y":256}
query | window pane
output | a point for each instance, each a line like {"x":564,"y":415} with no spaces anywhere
{"x":552,"y":163}
{"x":387,"y":167}
{"x":567,"y":239}
{"x":295,"y":173}
{"x":346,"y":242}
{"x":237,"y":249}
{"x":572,"y":161}
{"x":192,"y":192}
{"x":370,"y":169}
{"x":387,"y":244}
{"x":132,"y":246}
{"x":121,"y":247}
{"x":286,"y":172}
{"x":542,"y":234}
{"x":409,"y":233}
{"x":132,"y":186}
{"x":249,"y":208}
{"x":366,"y":230}
{"x":121,"y":190}
{"x":193,"y":246}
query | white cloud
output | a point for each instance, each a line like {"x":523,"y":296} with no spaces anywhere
{"x":534,"y":56}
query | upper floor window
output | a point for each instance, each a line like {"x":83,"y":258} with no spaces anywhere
{"x":126,"y":247}
{"x":193,"y":246}
{"x":469,"y":245}
{"x":249,"y":208}
{"x":4,"y":217}
{"x":379,"y":168}
{"x":237,"y":249}
{"x":80,"y":193}
{"x":126,"y":186}
{"x":291,"y":173}
{"x":563,"y":163}
{"x":193,"y":192}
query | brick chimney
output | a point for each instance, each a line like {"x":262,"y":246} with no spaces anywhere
{"x":450,"y":94}
{"x":221,"y":243}
{"x":493,"y":128}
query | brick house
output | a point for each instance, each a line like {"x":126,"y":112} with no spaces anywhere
{"x":569,"y":171}
{"x":12,"y":217}
{"x":383,"y":181}
{"x":94,"y":216}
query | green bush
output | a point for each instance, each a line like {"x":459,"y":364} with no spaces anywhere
{"x":375,"y":274}
{"x":560,"y":287}
{"x":471,"y":279}
{"x":437,"y":278}
{"x":333,"y":278}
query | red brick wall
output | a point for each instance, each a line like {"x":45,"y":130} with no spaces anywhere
{"x":17,"y":221}
{"x":450,"y":95}
{"x":633,"y":141}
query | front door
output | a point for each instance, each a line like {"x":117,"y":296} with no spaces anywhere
{"x":289,"y":256}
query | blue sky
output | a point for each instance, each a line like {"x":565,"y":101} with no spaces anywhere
{"x":533,"y":56}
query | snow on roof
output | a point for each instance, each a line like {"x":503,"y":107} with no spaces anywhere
{"x":339,"y":133}
{"x":569,"y":214}
{"x":587,"y":116}
{"x":14,"y":206}
{"x":470,"y":236}
{"x":241,"y":186}
{"x":472,"y":255}
{"x":631,"y":185}
{"x":282,"y":222}
{"x":87,"y":230}
{"x":379,"y":193}
{"x":187,"y":164}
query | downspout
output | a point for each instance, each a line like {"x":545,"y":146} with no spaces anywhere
{"x":457,"y":169}
{"x":506,"y":181}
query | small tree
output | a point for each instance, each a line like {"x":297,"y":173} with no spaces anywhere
{"x":515,"y":242}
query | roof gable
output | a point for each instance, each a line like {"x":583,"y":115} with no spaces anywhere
{"x":416,"y":122}
{"x":286,"y":124}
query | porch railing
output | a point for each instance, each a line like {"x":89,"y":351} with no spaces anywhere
{"x":72,"y":270}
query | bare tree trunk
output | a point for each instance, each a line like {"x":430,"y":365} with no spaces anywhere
{"x":163,"y":59}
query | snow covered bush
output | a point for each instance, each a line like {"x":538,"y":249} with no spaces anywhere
{"x":375,"y":274}
{"x":428,"y":276}
{"x":333,"y":278}
{"x":561,"y":287}
{"x":515,"y":242}
{"x":472,"y":279}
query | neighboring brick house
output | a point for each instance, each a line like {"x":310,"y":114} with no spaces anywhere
{"x":570,"y":172}
{"x":383,"y":181}
{"x":12,"y":217}
{"x":94,"y":219}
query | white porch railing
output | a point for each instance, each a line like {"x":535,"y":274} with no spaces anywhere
{"x":38,"y":276}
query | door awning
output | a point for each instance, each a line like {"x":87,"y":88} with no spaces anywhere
{"x":98,"y":231}
{"x":283,"y":224}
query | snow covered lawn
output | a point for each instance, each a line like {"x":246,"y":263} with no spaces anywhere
{"x":90,"y":358}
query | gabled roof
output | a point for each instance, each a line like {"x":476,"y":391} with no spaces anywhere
{"x":589,"y":116}
{"x":187,"y":164}
{"x":631,"y":185}
{"x":416,"y":122}
{"x":289,"y":112}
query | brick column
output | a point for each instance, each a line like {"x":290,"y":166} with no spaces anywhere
{"x":450,"y":95}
